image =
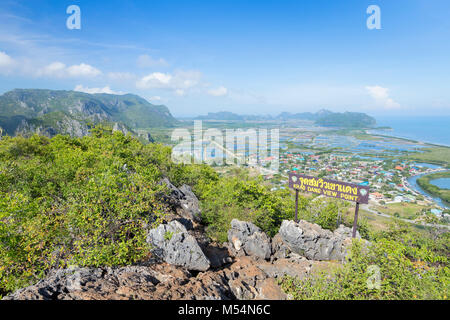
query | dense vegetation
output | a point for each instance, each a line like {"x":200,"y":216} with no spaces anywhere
{"x":398,"y":264}
{"x":425,"y":183}
{"x":84,"y":201}
{"x":89,"y":202}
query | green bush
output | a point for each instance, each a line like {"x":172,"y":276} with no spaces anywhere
{"x":409,"y":265}
{"x":79,"y":201}
{"x":243,"y":198}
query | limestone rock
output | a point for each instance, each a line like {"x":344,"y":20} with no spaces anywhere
{"x":310,"y":240}
{"x":172,"y":243}
{"x":155,"y":282}
{"x":183,"y":201}
{"x":250,"y":239}
{"x":346,"y":232}
{"x":286,"y":267}
{"x":189,"y":204}
{"x":279,"y":249}
{"x":217,"y":256}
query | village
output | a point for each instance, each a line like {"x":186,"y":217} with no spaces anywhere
{"x":387,"y":178}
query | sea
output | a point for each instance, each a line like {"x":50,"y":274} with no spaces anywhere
{"x":431,"y":129}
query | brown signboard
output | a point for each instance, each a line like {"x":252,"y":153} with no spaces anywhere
{"x":329,"y":188}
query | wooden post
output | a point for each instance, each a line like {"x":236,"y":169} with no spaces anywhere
{"x":355,"y":221}
{"x":296,"y":205}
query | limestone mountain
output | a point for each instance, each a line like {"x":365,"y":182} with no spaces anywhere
{"x":322,"y":117}
{"x":51,"y":112}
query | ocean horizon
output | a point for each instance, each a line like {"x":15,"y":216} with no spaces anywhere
{"x":429,"y":129}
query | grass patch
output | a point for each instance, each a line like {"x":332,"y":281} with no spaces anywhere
{"x":402,"y":210}
{"x":435,"y":155}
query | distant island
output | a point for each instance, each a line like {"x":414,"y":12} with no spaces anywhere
{"x":323,"y":118}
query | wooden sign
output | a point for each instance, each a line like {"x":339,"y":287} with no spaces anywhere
{"x":329,"y":188}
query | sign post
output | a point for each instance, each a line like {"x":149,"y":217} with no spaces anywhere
{"x":355,"y":221}
{"x":329,"y":188}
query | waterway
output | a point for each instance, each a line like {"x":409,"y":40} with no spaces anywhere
{"x":443,"y":183}
{"x":413,"y":183}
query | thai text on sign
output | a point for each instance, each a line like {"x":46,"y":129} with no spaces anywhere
{"x":330,"y":188}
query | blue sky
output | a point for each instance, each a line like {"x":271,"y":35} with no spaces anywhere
{"x":241,"y":56}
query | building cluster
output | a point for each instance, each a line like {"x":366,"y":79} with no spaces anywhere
{"x":387,"y":178}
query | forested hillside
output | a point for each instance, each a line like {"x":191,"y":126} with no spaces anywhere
{"x":49,"y":112}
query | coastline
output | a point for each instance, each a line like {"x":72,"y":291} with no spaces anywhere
{"x":432,"y":197}
{"x":433,"y":144}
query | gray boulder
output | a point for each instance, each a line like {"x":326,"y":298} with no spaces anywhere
{"x":172,"y":243}
{"x":345,"y":232}
{"x":279,"y":249}
{"x":174,"y":193}
{"x":313,"y":242}
{"x":183,"y":200}
{"x":189,"y":204}
{"x":247,"y":238}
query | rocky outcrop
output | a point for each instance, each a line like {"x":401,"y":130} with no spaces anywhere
{"x":248,"y":239}
{"x":186,"y":266}
{"x":155,"y":282}
{"x":172,"y":243}
{"x":293,"y":267}
{"x":279,"y":249}
{"x":245,"y":278}
{"x":313,"y":242}
{"x":183,"y":201}
{"x":346,"y":232}
{"x":217,"y":256}
{"x":190,"y":207}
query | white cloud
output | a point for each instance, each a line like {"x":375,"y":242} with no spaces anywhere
{"x":187,"y":79}
{"x":218,"y":92}
{"x":179,"y":82}
{"x":5,"y":60}
{"x":60,"y":70}
{"x":6,"y":63}
{"x":381,"y":97}
{"x":55,"y":69}
{"x":83,"y":70}
{"x":154,"y":80}
{"x":146,"y":61}
{"x":106,"y":89}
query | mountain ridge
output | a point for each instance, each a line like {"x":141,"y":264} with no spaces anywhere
{"x":71,"y":112}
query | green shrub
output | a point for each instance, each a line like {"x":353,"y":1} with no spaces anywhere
{"x":409,"y":266}
{"x":85,"y":201}
{"x":243,"y":198}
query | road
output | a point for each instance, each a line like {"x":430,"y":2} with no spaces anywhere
{"x":366,"y":208}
